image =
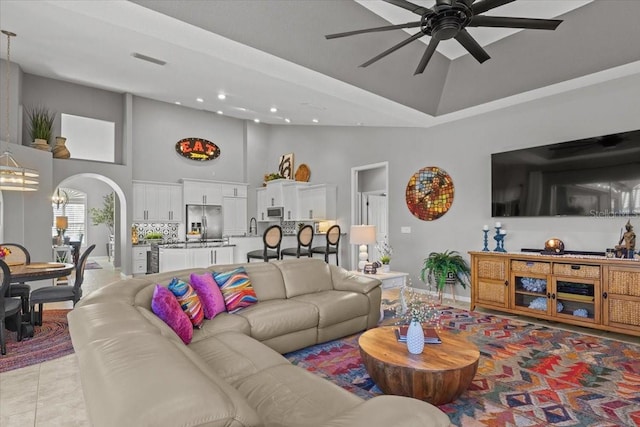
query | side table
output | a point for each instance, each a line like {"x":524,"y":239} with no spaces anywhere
{"x":390,"y":280}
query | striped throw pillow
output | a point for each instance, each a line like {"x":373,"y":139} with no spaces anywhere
{"x":236,"y":289}
{"x":188,"y":300}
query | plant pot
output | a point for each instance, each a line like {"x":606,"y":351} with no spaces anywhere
{"x":41,"y":144}
{"x":386,"y":268}
{"x":60,"y":150}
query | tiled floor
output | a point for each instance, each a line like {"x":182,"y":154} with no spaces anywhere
{"x":49,"y":394}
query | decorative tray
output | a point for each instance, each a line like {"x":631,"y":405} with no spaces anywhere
{"x":38,"y":265}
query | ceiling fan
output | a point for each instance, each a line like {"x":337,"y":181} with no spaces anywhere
{"x":446,"y":20}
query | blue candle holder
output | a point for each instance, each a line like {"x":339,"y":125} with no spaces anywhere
{"x":499,"y":238}
{"x":486,"y":241}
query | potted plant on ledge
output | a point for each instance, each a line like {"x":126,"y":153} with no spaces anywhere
{"x":41,"y":125}
{"x":445,"y":268}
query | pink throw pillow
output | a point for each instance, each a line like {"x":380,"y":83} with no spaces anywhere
{"x":209,"y":293}
{"x":165,"y":305}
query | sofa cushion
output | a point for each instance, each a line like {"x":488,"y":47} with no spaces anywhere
{"x":266,"y":279}
{"x":290,"y":396}
{"x":165,"y":305}
{"x":305,"y":276}
{"x":336,"y":306}
{"x":273,"y":318}
{"x":236,"y":289}
{"x":223,"y":322}
{"x":209,"y":293}
{"x":189,"y":300}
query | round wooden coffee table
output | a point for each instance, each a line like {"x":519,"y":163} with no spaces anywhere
{"x":439,"y":375}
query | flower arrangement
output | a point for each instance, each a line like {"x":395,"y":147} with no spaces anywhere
{"x":385,"y":250}
{"x":416,"y":306}
{"x":4,"y":252}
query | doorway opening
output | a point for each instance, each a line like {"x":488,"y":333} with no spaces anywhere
{"x":369,"y":203}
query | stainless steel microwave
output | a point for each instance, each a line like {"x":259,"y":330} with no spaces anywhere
{"x":275,"y":212}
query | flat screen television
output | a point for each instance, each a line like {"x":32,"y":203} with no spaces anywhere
{"x":597,"y":176}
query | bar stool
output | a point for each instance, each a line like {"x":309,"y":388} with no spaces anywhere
{"x":333,"y":242}
{"x":305,"y":239}
{"x":271,"y":238}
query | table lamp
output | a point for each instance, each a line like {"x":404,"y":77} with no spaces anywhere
{"x":362,"y":235}
{"x":62,"y":222}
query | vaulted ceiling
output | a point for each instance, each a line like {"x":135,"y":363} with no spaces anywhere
{"x":273,"y":54}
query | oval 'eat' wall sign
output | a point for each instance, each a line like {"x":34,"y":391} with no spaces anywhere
{"x":197,"y":149}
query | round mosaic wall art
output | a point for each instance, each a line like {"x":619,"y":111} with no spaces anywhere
{"x":429,"y":193}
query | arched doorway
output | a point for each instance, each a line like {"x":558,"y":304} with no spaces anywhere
{"x":97,"y":186}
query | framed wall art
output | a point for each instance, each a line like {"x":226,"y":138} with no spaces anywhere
{"x":429,"y":193}
{"x":285,"y":166}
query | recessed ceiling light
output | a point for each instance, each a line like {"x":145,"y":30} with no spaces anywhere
{"x":256,"y":120}
{"x":287,"y":120}
{"x":178,"y":103}
{"x":199,"y":99}
{"x":219,"y":112}
{"x":222,"y":96}
{"x":273,"y":110}
{"x":314,"y":120}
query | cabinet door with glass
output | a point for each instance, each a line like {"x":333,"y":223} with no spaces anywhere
{"x":531,"y":286}
{"x":576,"y":292}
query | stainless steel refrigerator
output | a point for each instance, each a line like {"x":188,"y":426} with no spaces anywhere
{"x":206,"y":219}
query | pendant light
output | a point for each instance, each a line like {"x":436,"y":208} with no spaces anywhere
{"x":60,"y":198}
{"x":14,"y":177}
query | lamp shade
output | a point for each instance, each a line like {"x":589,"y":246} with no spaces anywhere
{"x":62,"y":222}
{"x":362,"y":234}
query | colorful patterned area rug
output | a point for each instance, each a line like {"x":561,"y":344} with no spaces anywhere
{"x":528,"y":375}
{"x":49,"y":341}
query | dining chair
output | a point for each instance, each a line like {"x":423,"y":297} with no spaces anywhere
{"x":332,"y":245}
{"x":271,"y":239}
{"x":59,"y":293}
{"x":9,"y":307}
{"x":305,"y":240}
{"x":19,"y":254}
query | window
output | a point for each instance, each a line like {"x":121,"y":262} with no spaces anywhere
{"x":76,"y":212}
{"x":89,"y":139}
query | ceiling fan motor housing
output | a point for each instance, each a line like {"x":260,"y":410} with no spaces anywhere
{"x":446,"y":21}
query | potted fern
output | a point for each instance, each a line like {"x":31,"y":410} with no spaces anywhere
{"x":445,"y":268}
{"x":40,"y":127}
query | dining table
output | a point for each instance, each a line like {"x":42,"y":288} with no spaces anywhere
{"x":21,"y":273}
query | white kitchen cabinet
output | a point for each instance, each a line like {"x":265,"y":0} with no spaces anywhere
{"x":279,"y":193}
{"x":317,"y":202}
{"x":157,"y":202}
{"x":202,"y":192}
{"x":234,"y":212}
{"x":232,"y":189}
{"x":173,"y":259}
{"x":204,"y":257}
{"x":170,"y":207}
{"x":139,"y":255}
{"x":261,"y":204}
{"x":180,"y":258}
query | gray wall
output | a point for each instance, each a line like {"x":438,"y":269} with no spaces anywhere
{"x":463,"y":149}
{"x":157,"y":126}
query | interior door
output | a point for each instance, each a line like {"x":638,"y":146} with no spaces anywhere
{"x":374,"y":212}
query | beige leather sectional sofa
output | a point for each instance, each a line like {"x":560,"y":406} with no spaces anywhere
{"x":135,"y":371}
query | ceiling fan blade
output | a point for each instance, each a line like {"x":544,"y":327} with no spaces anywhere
{"x":409,"y":6}
{"x":393,"y":49}
{"x":505,"y":22}
{"x":428,"y":53}
{"x":484,"y":5}
{"x":373,"y":30}
{"x":469,"y":43}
